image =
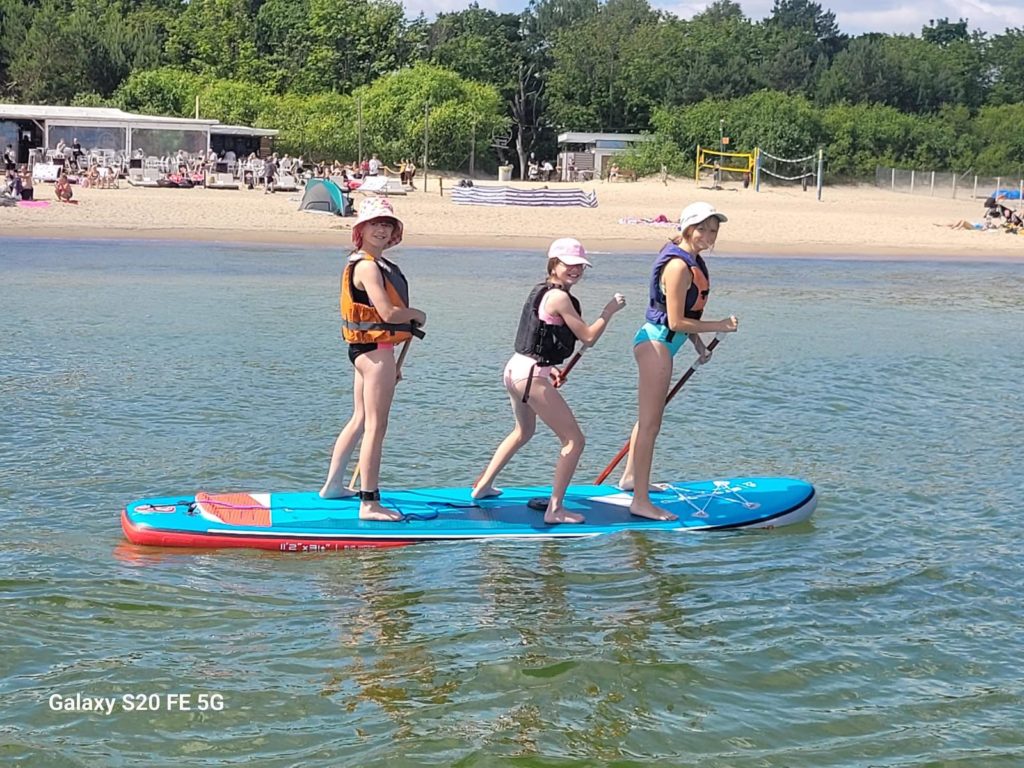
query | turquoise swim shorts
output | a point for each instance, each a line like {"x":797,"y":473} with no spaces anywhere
{"x":652,"y":332}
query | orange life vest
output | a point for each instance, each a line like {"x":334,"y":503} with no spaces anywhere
{"x":361,"y":323}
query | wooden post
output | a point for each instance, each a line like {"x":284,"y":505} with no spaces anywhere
{"x":426,"y":142}
{"x":821,"y":171}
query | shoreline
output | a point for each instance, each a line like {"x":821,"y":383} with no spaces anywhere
{"x":339,"y":239}
{"x":855,"y":222}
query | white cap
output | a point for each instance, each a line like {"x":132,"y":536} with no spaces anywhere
{"x":695,"y":213}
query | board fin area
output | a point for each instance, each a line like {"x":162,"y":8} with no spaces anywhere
{"x":250,"y":509}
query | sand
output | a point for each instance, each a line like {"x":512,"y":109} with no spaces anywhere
{"x":849,"y":221}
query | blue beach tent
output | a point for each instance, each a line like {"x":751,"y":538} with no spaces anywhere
{"x":324,"y":196}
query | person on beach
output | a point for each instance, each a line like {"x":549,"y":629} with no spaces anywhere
{"x":549,"y":328}
{"x":63,"y":189}
{"x":375,"y":316}
{"x":679,"y":287}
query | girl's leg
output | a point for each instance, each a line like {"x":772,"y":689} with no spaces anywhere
{"x":548,"y":404}
{"x":334,"y":487}
{"x":526,"y":425}
{"x":378,"y":372}
{"x":654,"y":364}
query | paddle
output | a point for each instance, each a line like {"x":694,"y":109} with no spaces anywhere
{"x":418,"y":334}
{"x":719,"y":337}
{"x":559,"y":376}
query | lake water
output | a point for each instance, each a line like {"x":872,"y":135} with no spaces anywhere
{"x":888,"y":631}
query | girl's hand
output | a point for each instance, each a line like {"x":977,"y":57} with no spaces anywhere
{"x":729,"y":325}
{"x":617,"y":302}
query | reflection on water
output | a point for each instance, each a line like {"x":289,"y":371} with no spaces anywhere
{"x":881,"y":633}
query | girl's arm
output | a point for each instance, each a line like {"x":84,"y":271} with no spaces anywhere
{"x":677,"y":279}
{"x":368,"y":278}
{"x":558,"y":303}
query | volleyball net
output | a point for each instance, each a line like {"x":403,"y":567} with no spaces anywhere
{"x":760,"y":165}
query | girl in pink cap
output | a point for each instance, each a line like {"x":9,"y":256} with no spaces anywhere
{"x":549,"y":328}
{"x":375,"y":315}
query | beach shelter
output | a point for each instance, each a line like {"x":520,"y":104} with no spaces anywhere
{"x":324,"y":196}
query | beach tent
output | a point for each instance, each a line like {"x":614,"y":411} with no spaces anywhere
{"x":324,"y":196}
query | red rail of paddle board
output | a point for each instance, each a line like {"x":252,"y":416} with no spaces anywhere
{"x":155,"y":538}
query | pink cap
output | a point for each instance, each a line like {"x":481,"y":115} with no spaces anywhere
{"x":569,"y":251}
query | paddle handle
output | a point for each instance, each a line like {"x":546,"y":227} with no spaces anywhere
{"x":719,"y":337}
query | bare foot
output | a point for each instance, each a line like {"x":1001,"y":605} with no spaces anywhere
{"x":556,"y":516}
{"x":336,"y":490}
{"x":651,"y":512}
{"x":372,"y":510}
{"x":485,"y":492}
{"x":626,"y":484}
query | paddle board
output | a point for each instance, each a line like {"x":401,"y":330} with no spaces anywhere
{"x":304,"y":522}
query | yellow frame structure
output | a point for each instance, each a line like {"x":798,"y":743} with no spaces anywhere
{"x":702,"y":161}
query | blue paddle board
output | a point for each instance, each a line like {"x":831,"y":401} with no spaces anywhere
{"x":304,"y":522}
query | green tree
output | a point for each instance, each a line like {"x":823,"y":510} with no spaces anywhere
{"x":282,"y":39}
{"x":461,"y":112}
{"x":586,"y":88}
{"x":478,"y":44}
{"x":1005,"y":61}
{"x":166,"y":91}
{"x":15,"y":21}
{"x":997,"y":129}
{"x":215,"y":38}
{"x":353,"y":42}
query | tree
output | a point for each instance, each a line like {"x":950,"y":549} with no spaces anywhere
{"x":801,"y":40}
{"x":461,"y":113}
{"x":353,"y":42}
{"x":478,"y":44}
{"x":215,"y":38}
{"x":166,"y":91}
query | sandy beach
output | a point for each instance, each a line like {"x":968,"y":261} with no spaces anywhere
{"x":849,"y":221}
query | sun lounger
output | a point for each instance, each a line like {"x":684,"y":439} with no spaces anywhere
{"x":381,"y":185}
{"x":285,"y":182}
{"x":221,"y":181}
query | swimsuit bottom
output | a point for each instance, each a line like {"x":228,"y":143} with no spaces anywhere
{"x":355,"y":350}
{"x":661,"y":333}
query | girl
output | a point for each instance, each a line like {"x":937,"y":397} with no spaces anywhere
{"x":678,"y":291}
{"x":375,"y":316}
{"x":549,"y":327}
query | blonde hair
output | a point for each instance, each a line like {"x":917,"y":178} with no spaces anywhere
{"x":553,"y":262}
{"x":682,"y":236}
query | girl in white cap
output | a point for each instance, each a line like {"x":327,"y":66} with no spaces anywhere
{"x":375,"y":316}
{"x":549,"y":328}
{"x":679,"y":288}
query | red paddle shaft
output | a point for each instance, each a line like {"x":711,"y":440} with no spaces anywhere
{"x":562,"y":374}
{"x":675,"y":390}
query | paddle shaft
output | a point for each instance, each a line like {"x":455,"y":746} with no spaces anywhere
{"x":565,"y":371}
{"x":672,"y":393}
{"x":398,"y":375}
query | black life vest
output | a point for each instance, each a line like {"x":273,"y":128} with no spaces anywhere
{"x":546,"y":343}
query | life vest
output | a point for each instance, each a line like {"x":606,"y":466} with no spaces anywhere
{"x":361,"y":323}
{"x":696,"y":296}
{"x":546,"y":343}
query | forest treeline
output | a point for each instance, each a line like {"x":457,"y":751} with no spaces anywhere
{"x":336,"y":75}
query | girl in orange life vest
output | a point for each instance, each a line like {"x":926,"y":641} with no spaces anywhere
{"x":375,"y":317}
{"x":678,"y":291}
{"x":548,"y":331}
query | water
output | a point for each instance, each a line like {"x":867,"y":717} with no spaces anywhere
{"x":885,"y":632}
